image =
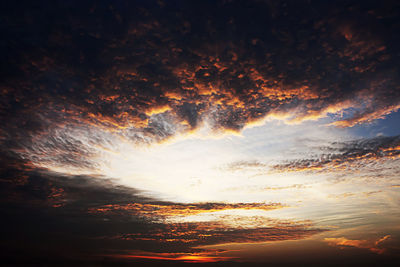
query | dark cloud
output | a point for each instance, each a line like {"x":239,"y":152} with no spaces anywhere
{"x":226,"y":63}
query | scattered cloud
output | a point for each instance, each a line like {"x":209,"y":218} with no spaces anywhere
{"x":219,"y":232}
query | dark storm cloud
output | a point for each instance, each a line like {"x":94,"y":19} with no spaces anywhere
{"x":341,"y":155}
{"x":224,"y":62}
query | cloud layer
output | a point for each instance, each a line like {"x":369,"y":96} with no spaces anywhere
{"x":150,"y":71}
{"x":109,"y":219}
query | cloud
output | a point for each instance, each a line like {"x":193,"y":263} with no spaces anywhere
{"x":99,"y":218}
{"x":349,"y":194}
{"x":346,"y":155}
{"x":78,"y":83}
{"x":343,"y":242}
{"x":258,"y":188}
{"x":161,"y":210}
{"x":367,"y":116}
{"x":244,"y":165}
{"x":159,"y":75}
{"x":219,"y":232}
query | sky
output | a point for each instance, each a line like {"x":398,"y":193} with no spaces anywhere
{"x":215,"y":133}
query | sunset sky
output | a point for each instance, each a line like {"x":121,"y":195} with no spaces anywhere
{"x":221,"y":132}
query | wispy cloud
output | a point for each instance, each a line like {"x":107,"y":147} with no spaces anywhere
{"x":358,"y":194}
{"x":160,"y":210}
{"x":219,"y":232}
{"x":373,"y":246}
{"x":345,"y":155}
{"x":244,"y":165}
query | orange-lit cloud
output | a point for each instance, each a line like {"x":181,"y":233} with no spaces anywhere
{"x":228,"y":88}
{"x":162,"y":210}
{"x":373,"y":246}
{"x":366,"y":117}
{"x":193,"y":234}
{"x":157,"y":110}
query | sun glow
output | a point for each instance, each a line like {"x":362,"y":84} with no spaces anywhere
{"x":188,"y":168}
{"x":192,"y":169}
